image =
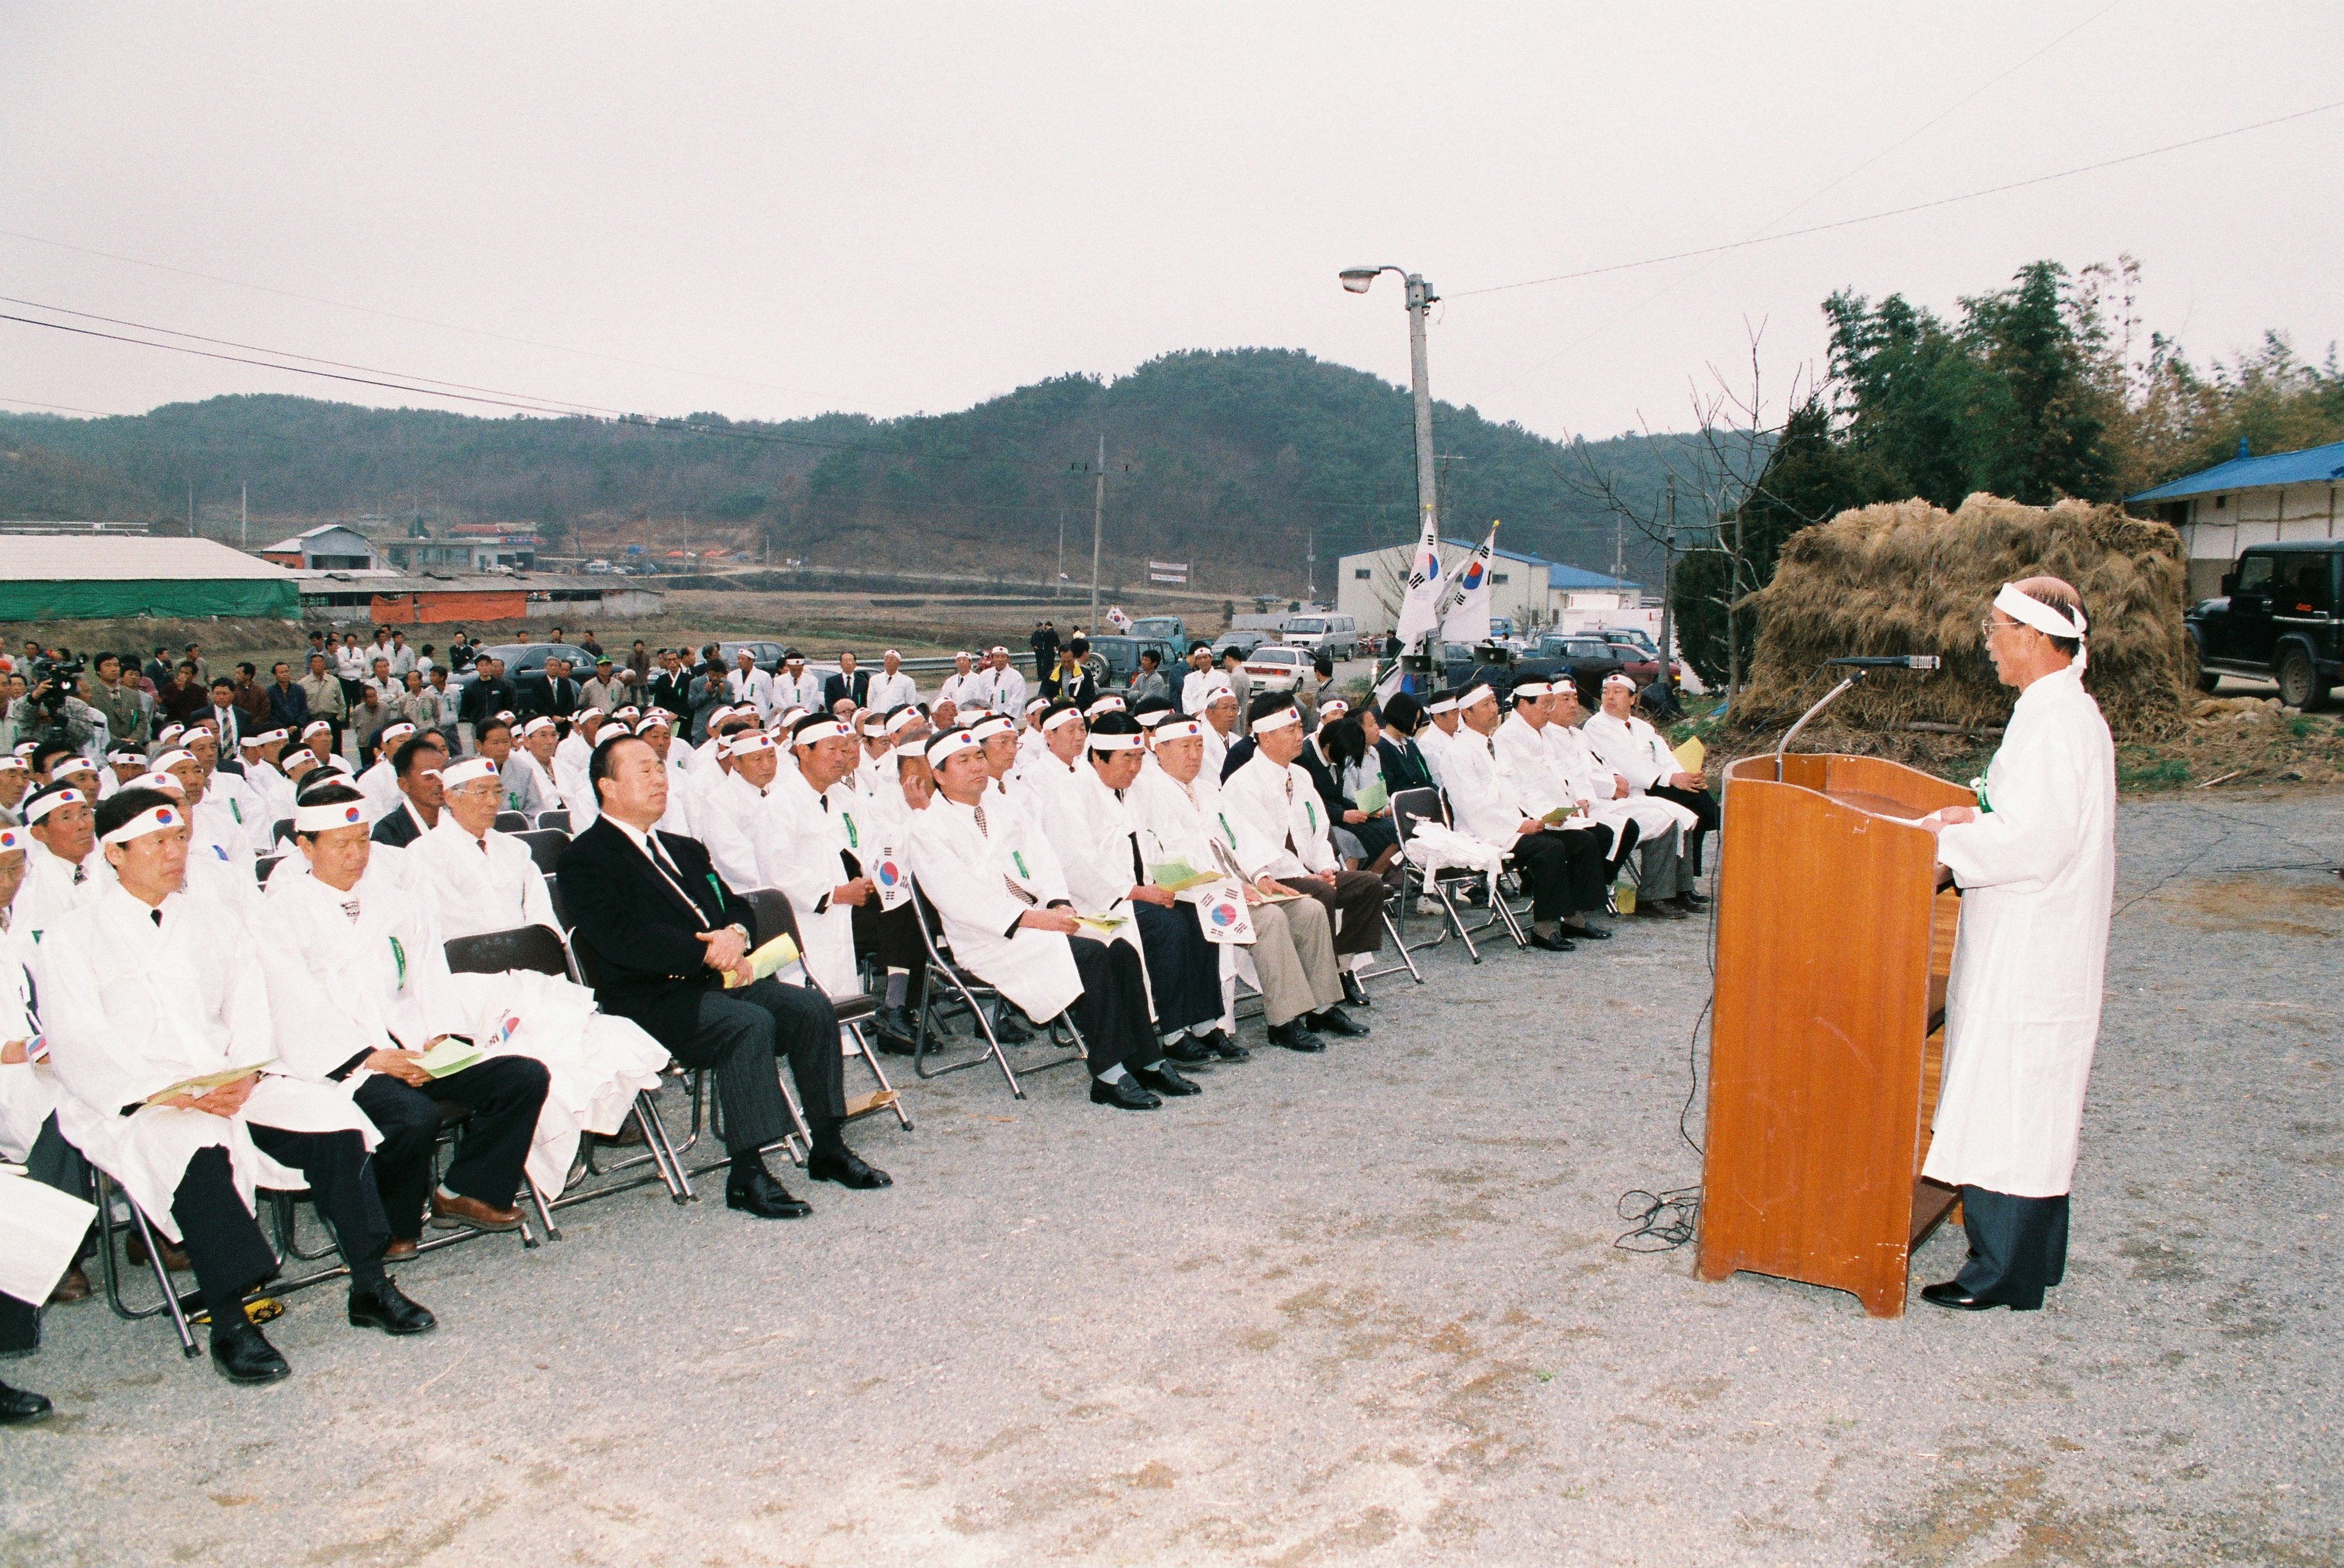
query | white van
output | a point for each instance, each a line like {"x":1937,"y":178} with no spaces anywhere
{"x":1335,"y":635}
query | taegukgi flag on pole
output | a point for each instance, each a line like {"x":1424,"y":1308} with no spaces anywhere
{"x":1465,"y":608}
{"x":1419,"y":607}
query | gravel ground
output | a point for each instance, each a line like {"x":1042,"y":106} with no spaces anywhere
{"x":1360,"y":1308}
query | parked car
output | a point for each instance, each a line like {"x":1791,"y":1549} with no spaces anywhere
{"x":1245,"y":643}
{"x":1584,"y":659}
{"x":1113,"y":660}
{"x":1336,"y":635}
{"x":1640,"y":660}
{"x":1277,"y":667}
{"x":2277,"y":619}
{"x":768,"y":656}
{"x":1164,"y":628}
{"x":525,"y":666}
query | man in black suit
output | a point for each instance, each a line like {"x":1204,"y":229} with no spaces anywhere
{"x":418,"y":760}
{"x":491,"y":692}
{"x":664,"y":931}
{"x":560,"y":698}
{"x":849,"y":683}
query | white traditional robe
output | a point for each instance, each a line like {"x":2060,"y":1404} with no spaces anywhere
{"x":752,"y":687}
{"x":1283,"y":806}
{"x":797,"y":837}
{"x":1585,"y":777}
{"x":1005,"y":691}
{"x":2037,"y":874}
{"x":273,"y":791}
{"x":598,"y":1063}
{"x":968,"y":874}
{"x":726,"y":811}
{"x":889,"y":692}
{"x":1630,"y":748}
{"x":50,"y":891}
{"x":676,"y":818}
{"x":132,"y":1008}
{"x":29,"y":1089}
{"x":380,"y":784}
{"x":216,"y":831}
{"x":571,"y":759}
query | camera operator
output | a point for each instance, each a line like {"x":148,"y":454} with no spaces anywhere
{"x":52,"y":708}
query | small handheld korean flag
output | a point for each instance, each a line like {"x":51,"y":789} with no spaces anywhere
{"x":890,"y":877}
{"x":1465,"y":608}
{"x":1222,"y":913}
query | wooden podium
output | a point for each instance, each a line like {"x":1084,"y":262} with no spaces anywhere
{"x":1832,"y":947}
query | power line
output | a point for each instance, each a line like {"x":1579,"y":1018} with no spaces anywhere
{"x":67,"y":409}
{"x":1903,"y":211}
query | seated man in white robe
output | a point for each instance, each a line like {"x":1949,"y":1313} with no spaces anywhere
{"x":1522,"y":751}
{"x":173,"y":1085}
{"x":207,"y":876}
{"x":16,"y":782}
{"x":360,"y":961}
{"x":123,"y":764}
{"x":570,"y":760}
{"x":528,"y":769}
{"x":213,"y":831}
{"x":656,"y":728}
{"x":477,"y":879}
{"x":1181,"y":817}
{"x":417,"y":762}
{"x":28,"y":1086}
{"x":730,"y":804}
{"x":1491,"y":803}
{"x":1663,"y":877}
{"x":62,"y":823}
{"x":380,"y":783}
{"x":1001,"y":901}
{"x":1635,"y":751}
{"x":270,"y":786}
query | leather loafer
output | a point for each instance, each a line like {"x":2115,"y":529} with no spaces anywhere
{"x":383,"y":1307}
{"x":1334,"y":1021}
{"x":448,"y":1213}
{"x":73,"y":1285}
{"x":1190,"y":1051}
{"x":1557,"y":944}
{"x":1355,"y":993}
{"x":763,"y":1197}
{"x":1227,"y":1048}
{"x":1693,"y":900}
{"x":1166,"y":1081}
{"x":847,"y":1169}
{"x":894,"y":1024}
{"x":1294,"y":1037}
{"x":1010,"y":1030}
{"x":18,"y":1406}
{"x":1951,"y":1294}
{"x":174,"y":1258}
{"x":1129,"y":1093}
{"x":1656,"y":911}
{"x":400,"y":1250}
{"x":243,"y":1354}
{"x":1581,"y":931}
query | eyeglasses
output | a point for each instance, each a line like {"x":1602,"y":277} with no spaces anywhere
{"x":1989,"y":626}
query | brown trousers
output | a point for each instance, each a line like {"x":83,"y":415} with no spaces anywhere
{"x":1359,"y":898}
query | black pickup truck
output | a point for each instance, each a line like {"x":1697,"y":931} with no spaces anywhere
{"x":2276,"y":620}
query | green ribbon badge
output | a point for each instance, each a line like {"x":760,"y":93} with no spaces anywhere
{"x":235,"y":811}
{"x":717,"y":888}
{"x":854,"y":839}
{"x":1310,"y":810}
{"x":1020,"y":859}
{"x":1226,"y":829}
{"x":399,"y":954}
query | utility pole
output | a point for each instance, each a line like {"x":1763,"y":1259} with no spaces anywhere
{"x":244,"y":516}
{"x":191,"y":509}
{"x":1098,"y":524}
{"x":1420,"y":375}
{"x":1668,"y":596}
{"x":1058,"y":578}
{"x":1310,"y":564}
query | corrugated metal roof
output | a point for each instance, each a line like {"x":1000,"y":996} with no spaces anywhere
{"x":104,"y":558}
{"x":1558,"y":575}
{"x":2313,"y":465}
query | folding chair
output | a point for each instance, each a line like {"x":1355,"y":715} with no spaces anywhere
{"x":280,"y":831}
{"x":511,"y":822}
{"x":554,"y":892}
{"x":545,"y":846}
{"x":968,"y":992}
{"x":1410,"y":809}
{"x":262,"y":865}
{"x":541,"y":948}
{"x":553,"y":819}
{"x":776,"y":918}
{"x":587,"y":973}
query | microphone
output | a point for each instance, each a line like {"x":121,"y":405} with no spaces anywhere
{"x":1887,"y":661}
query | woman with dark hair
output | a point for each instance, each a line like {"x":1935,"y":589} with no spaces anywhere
{"x":1404,"y":764}
{"x":1337,"y":757}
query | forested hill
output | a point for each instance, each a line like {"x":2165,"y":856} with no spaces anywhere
{"x":1238,"y":462}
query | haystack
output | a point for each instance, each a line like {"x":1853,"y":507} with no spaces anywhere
{"x":1909,"y":578}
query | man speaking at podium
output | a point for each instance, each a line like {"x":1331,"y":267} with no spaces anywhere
{"x":2036,"y":861}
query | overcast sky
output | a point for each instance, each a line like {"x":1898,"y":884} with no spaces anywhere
{"x":773,"y":210}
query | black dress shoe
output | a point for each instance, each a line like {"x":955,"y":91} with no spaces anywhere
{"x":383,"y":1307}
{"x":1556,"y":944}
{"x":847,"y":1169}
{"x":1647,"y":909}
{"x":1334,"y":1021}
{"x":894,"y":1024}
{"x":18,"y":1406}
{"x":244,"y":1355}
{"x":1693,"y":900}
{"x":1952,"y":1296}
{"x":1166,"y":1081}
{"x":1190,"y":1051}
{"x":1009,"y":1029}
{"x":1355,"y":993}
{"x":1581,"y":931}
{"x":762,"y":1196}
{"x":1127,"y":1093}
{"x":1226,"y":1048}
{"x":1295,"y":1036}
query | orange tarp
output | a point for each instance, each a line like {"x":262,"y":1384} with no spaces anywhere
{"x":424,"y":609}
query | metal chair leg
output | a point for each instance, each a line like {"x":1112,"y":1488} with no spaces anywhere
{"x":871,"y":1059}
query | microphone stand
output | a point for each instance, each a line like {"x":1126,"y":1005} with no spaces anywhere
{"x":1793,"y":732}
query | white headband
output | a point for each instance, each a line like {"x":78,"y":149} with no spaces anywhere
{"x":1616,"y":678}
{"x":1061,"y":719}
{"x":585,"y":713}
{"x":1440,"y":705}
{"x":12,"y":763}
{"x":2027,"y":610}
{"x":1104,"y":705}
{"x":905,"y":721}
{"x":970,"y":657}
{"x":891,"y":654}
{"x":1036,"y":705}
{"x":873,"y":727}
{"x":172,"y":759}
{"x":1172,"y":729}
{"x":167,"y":783}
{"x":1276,"y":721}
{"x":1154,"y":719}
{"x":471,"y":769}
{"x":657,"y":719}
{"x":268,"y":737}
{"x":154,"y":819}
{"x":985,"y":729}
{"x":82,"y":765}
{"x":1117,"y":742}
{"x":1473,"y":696}
{"x":126,"y":754}
{"x":827,"y":730}
{"x":950,"y":744}
{"x":393,"y":733}
{"x":169,"y":732}
{"x":1332,"y":706}
{"x":1531,"y":689}
{"x":49,"y":803}
{"x":748,"y":742}
{"x":540,"y":723}
{"x":315,"y":727}
{"x":327,"y":818}
{"x":996,"y":648}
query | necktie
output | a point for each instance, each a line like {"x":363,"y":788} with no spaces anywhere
{"x":350,"y":908}
{"x":81,"y":877}
{"x":1289,"y":814}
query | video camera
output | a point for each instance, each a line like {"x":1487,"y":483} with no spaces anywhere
{"x":50,"y":681}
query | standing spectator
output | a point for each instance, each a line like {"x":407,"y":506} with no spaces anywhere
{"x":325,"y":697}
{"x":435,"y":709}
{"x":158,"y":668}
{"x":1045,"y":643}
{"x":251,"y":700}
{"x":640,"y":661}
{"x":598,"y":692}
{"x":1240,"y":685}
{"x":370,"y":719}
{"x":402,"y":657}
{"x":186,"y":696}
{"x":561,"y":696}
{"x":491,"y":692}
{"x":586,"y":641}
{"x":670,"y":688}
{"x":351,"y":669}
{"x":424,"y":662}
{"x":849,"y":685}
{"x":460,"y":653}
{"x":195,"y":655}
{"x":317,"y":644}
{"x":118,"y":701}
{"x":288,"y":705}
{"x":388,"y":688}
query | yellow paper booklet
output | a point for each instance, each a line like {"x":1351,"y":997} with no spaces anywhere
{"x":1178,"y":875}
{"x":453,"y":1054}
{"x":1100,"y":924}
{"x":778,"y":954}
{"x":1692,"y":755}
{"x":203,"y":1083}
{"x":1558,"y":814}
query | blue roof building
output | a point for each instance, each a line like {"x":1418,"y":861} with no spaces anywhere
{"x":1529,"y":590}
{"x":2250,"y":500}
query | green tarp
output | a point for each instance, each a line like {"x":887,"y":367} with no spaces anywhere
{"x":177,"y":599}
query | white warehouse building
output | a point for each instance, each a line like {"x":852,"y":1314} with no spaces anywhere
{"x":1529,"y":592}
{"x":2222,"y":510}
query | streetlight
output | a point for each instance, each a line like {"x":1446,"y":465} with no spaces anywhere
{"x":1357,"y":280}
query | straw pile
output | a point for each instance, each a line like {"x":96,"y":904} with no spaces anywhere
{"x":1908,"y":578}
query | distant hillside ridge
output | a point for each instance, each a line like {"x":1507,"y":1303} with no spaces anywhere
{"x":1240,"y":462}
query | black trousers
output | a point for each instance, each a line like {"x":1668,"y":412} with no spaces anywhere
{"x":1565,"y":870}
{"x":1359,"y":898}
{"x":504,"y":1095}
{"x":891,"y":938}
{"x":224,"y":1240}
{"x":1183,"y":968}
{"x":742,"y":1033}
{"x":2018,"y":1246}
{"x":20,"y":1325}
{"x":1112,"y":1011}
{"x":1702,"y":804}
